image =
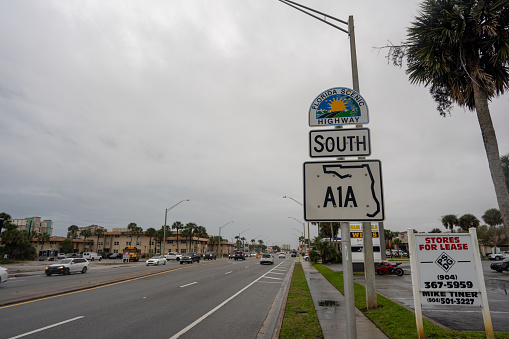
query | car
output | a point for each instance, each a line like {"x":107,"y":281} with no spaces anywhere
{"x":294,"y":254}
{"x":4,"y":274}
{"x":61,"y":256}
{"x":498,"y":256}
{"x":239,"y":255}
{"x":67,"y":266}
{"x":282,"y":255}
{"x":156,"y":261}
{"x":499,"y":266}
{"x":91,"y":256}
{"x":267,"y":258}
{"x":231,"y":255}
{"x":210,"y":256}
{"x":171,"y":256}
{"x":73,"y":255}
{"x":190,"y":257}
{"x":306,"y":257}
{"x":115,"y":256}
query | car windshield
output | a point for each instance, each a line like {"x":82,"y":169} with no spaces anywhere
{"x":266,"y":255}
{"x":64,"y":261}
{"x":156,"y":257}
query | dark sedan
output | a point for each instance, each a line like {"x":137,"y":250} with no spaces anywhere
{"x":115,"y":256}
{"x":499,"y":266}
{"x":239,"y":255}
{"x":210,"y":256}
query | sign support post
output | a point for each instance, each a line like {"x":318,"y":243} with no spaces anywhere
{"x":415,"y":284}
{"x":351,"y":325}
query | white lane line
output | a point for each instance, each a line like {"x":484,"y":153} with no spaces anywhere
{"x":274,"y":278}
{"x":228,"y":272}
{"x":189,"y":284}
{"x":47,"y":327}
{"x":203,"y":317}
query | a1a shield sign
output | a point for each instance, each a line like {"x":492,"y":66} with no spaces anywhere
{"x":343,"y":191}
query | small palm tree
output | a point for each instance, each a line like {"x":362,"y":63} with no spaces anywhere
{"x":449,"y":221}
{"x":72,"y":231}
{"x":177,"y":225}
{"x":42,"y":238}
{"x":468,"y":220}
{"x":99,"y":232}
{"x":150,"y":233}
{"x":493,"y":218}
{"x":86,"y":233}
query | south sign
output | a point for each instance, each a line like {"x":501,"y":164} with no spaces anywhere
{"x":339,"y":142}
{"x":338,"y":106}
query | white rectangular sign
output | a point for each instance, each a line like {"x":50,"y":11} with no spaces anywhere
{"x":339,"y":142}
{"x":343,"y":191}
{"x":446,"y":266}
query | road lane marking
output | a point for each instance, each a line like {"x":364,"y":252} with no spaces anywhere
{"x":228,"y":272}
{"x":189,"y":284}
{"x":203,"y":317}
{"x":47,"y":327}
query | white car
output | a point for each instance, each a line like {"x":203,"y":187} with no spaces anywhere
{"x":173,"y":256}
{"x":4,"y":274}
{"x":68,"y":266}
{"x":498,"y":256}
{"x":157,"y":260}
{"x":267,"y":258}
{"x":282,"y":255}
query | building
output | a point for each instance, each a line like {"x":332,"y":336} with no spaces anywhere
{"x":117,"y":241}
{"x":286,"y":247}
{"x":34,"y":224}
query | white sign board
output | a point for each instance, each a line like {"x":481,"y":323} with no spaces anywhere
{"x":343,"y":191}
{"x":338,"y":106}
{"x":339,"y":142}
{"x":446,"y":266}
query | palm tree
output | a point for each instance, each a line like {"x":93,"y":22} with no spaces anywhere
{"x":99,"y":232}
{"x":5,"y":218}
{"x":86,"y":233}
{"x":160,"y":236}
{"x":493,"y":218}
{"x":468,"y":220}
{"x":188,"y":232}
{"x":177,"y":225}
{"x":137,"y":231}
{"x":72,"y":231}
{"x":42,"y":238}
{"x":131,"y":227}
{"x":150,"y":233}
{"x":459,"y":49}
{"x":449,"y":221}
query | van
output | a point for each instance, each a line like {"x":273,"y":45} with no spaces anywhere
{"x":91,"y":256}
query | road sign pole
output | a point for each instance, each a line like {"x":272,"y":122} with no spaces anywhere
{"x":369,"y":266}
{"x":415,"y":283}
{"x":351,"y":326}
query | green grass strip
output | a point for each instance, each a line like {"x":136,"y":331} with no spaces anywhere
{"x":300,"y":320}
{"x":395,"y":320}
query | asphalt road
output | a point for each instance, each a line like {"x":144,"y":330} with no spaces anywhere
{"x":213,"y":299}
{"x":463,"y":318}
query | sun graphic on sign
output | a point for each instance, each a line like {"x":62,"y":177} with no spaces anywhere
{"x":337,"y":105}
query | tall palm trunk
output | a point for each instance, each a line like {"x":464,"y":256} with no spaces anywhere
{"x":491,"y":147}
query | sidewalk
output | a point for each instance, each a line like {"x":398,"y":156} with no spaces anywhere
{"x":331,"y":308}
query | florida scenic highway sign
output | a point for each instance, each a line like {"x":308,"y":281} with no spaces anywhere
{"x":343,"y":191}
{"x":338,"y":106}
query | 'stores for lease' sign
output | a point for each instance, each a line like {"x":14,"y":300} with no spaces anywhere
{"x":446,"y":272}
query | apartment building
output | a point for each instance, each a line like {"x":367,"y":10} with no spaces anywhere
{"x":34,"y":224}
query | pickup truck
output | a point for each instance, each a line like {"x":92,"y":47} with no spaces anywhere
{"x":190,"y":257}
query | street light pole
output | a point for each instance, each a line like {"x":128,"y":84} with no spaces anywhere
{"x":241,"y":233}
{"x":220,"y":237}
{"x":303,"y":227}
{"x":164,"y":229}
{"x":309,"y":236}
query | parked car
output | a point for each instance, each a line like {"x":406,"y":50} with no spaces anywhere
{"x":294,"y":254}
{"x":190,"y":257}
{"x":61,"y":256}
{"x":210,"y":256}
{"x":239,"y":255}
{"x":92,"y":256}
{"x":498,"y":256}
{"x":73,"y":255}
{"x":156,"y":261}
{"x":68,"y":266}
{"x":282,"y":255}
{"x":116,"y":256}
{"x":499,"y":266}
{"x":267,"y":258}
{"x":4,"y":274}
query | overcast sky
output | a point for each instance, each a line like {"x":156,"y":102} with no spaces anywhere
{"x":113,"y":111}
